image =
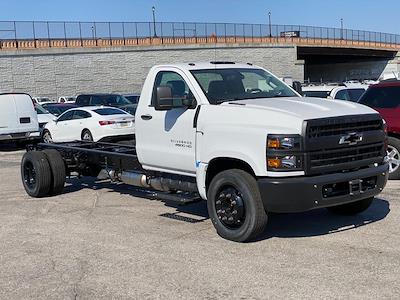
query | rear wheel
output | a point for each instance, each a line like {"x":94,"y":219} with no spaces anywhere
{"x":235,"y":206}
{"x":352,"y":208}
{"x":393,"y":154}
{"x":47,"y":138}
{"x":87,"y":136}
{"x":36,"y":174}
{"x":58,"y":171}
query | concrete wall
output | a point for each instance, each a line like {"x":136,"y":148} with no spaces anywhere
{"x":57,"y":72}
{"x":372,"y":69}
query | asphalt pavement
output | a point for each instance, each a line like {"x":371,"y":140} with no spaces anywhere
{"x":108,"y":241}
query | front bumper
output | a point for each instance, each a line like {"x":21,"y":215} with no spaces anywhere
{"x":20,"y":136}
{"x":297,"y":194}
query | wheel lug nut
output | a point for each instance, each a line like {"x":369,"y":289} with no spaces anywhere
{"x":234,"y":212}
{"x":218,"y":211}
{"x":218,"y":202}
{"x":219,"y":217}
{"x":233,"y":202}
{"x":228,"y":196}
{"x":230,"y":219}
{"x":223,"y":211}
{"x":224,"y":219}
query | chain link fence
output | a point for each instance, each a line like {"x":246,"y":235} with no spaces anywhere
{"x":17,"y":33}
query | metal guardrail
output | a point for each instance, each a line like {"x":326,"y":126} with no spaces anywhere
{"x":15,"y":34}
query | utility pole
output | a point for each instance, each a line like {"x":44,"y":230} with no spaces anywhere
{"x":341,"y":28}
{"x":269,"y":23}
{"x":154,"y":21}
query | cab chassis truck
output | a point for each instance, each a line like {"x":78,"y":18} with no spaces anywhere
{"x":237,"y":137}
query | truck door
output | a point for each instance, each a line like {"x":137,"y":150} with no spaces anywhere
{"x":166,"y":138}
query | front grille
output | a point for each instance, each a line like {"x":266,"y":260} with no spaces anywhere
{"x":340,"y":128}
{"x":325,"y":153}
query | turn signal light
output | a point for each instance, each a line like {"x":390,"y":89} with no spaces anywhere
{"x":274,"y":163}
{"x":274,"y":143}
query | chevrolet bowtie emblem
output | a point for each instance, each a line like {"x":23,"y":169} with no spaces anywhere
{"x":351,"y":139}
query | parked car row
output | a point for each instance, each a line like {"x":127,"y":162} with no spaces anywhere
{"x":348,"y":91}
{"x":92,"y":117}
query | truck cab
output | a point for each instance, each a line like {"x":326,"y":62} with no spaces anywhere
{"x":244,"y":141}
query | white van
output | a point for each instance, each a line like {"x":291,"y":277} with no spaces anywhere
{"x":18,"y":118}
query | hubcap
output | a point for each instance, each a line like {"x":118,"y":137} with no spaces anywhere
{"x":87,"y":137}
{"x":29,"y":175}
{"x":230,"y":207}
{"x":393,"y":157}
{"x":47,"y":138}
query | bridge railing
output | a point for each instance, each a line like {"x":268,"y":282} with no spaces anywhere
{"x":35,"y":34}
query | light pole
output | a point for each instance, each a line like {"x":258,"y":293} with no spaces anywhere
{"x":269,"y":23}
{"x":341,"y":28}
{"x":154,"y":21}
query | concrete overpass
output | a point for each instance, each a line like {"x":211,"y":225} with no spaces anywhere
{"x":69,"y":61}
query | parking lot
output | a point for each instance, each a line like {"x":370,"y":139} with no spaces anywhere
{"x":99,"y":240}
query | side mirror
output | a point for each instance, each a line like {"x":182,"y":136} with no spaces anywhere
{"x":164,"y":99}
{"x":297,"y":87}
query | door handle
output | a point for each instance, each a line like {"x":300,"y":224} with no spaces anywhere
{"x":146,"y":117}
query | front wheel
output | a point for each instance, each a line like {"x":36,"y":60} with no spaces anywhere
{"x":87,"y":136}
{"x":47,"y":138}
{"x":393,"y":156}
{"x":352,"y":208}
{"x":235,"y":206}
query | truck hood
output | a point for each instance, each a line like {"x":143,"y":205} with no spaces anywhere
{"x":304,"y":108}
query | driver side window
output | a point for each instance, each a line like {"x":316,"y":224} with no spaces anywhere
{"x":179,"y":88}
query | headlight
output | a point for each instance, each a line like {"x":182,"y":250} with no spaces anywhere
{"x":284,"y":153}
{"x":278,"y":142}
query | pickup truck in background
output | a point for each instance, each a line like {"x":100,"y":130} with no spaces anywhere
{"x":239,"y":138}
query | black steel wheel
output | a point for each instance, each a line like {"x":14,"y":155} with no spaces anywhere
{"x":36,"y":174}
{"x":230,"y":207}
{"x":235,"y":206}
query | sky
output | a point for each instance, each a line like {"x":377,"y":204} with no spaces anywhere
{"x":369,"y":15}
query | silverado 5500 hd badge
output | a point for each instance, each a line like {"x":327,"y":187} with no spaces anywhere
{"x":182,"y":143}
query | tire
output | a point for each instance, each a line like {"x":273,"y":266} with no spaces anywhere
{"x":239,"y":189}
{"x":36,"y":174}
{"x":46,"y":137}
{"x":394,"y":158}
{"x":351,"y":208}
{"x":87,"y":136}
{"x":58,"y":171}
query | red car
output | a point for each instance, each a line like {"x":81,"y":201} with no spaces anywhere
{"x":385,"y":98}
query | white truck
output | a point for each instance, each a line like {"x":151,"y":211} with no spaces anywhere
{"x":237,"y":137}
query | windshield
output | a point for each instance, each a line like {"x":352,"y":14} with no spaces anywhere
{"x":40,"y":110}
{"x":220,"y":85}
{"x":58,"y":110}
{"x":382,"y":97}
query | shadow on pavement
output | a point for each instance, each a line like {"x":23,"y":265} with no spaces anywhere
{"x":10,"y":147}
{"x":307,"y":224}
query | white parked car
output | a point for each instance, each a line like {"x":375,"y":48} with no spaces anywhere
{"x":41,"y":100}
{"x":18,"y":119}
{"x":44,"y":116}
{"x":92,"y":123}
{"x":66,"y":99}
{"x":350,"y":92}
